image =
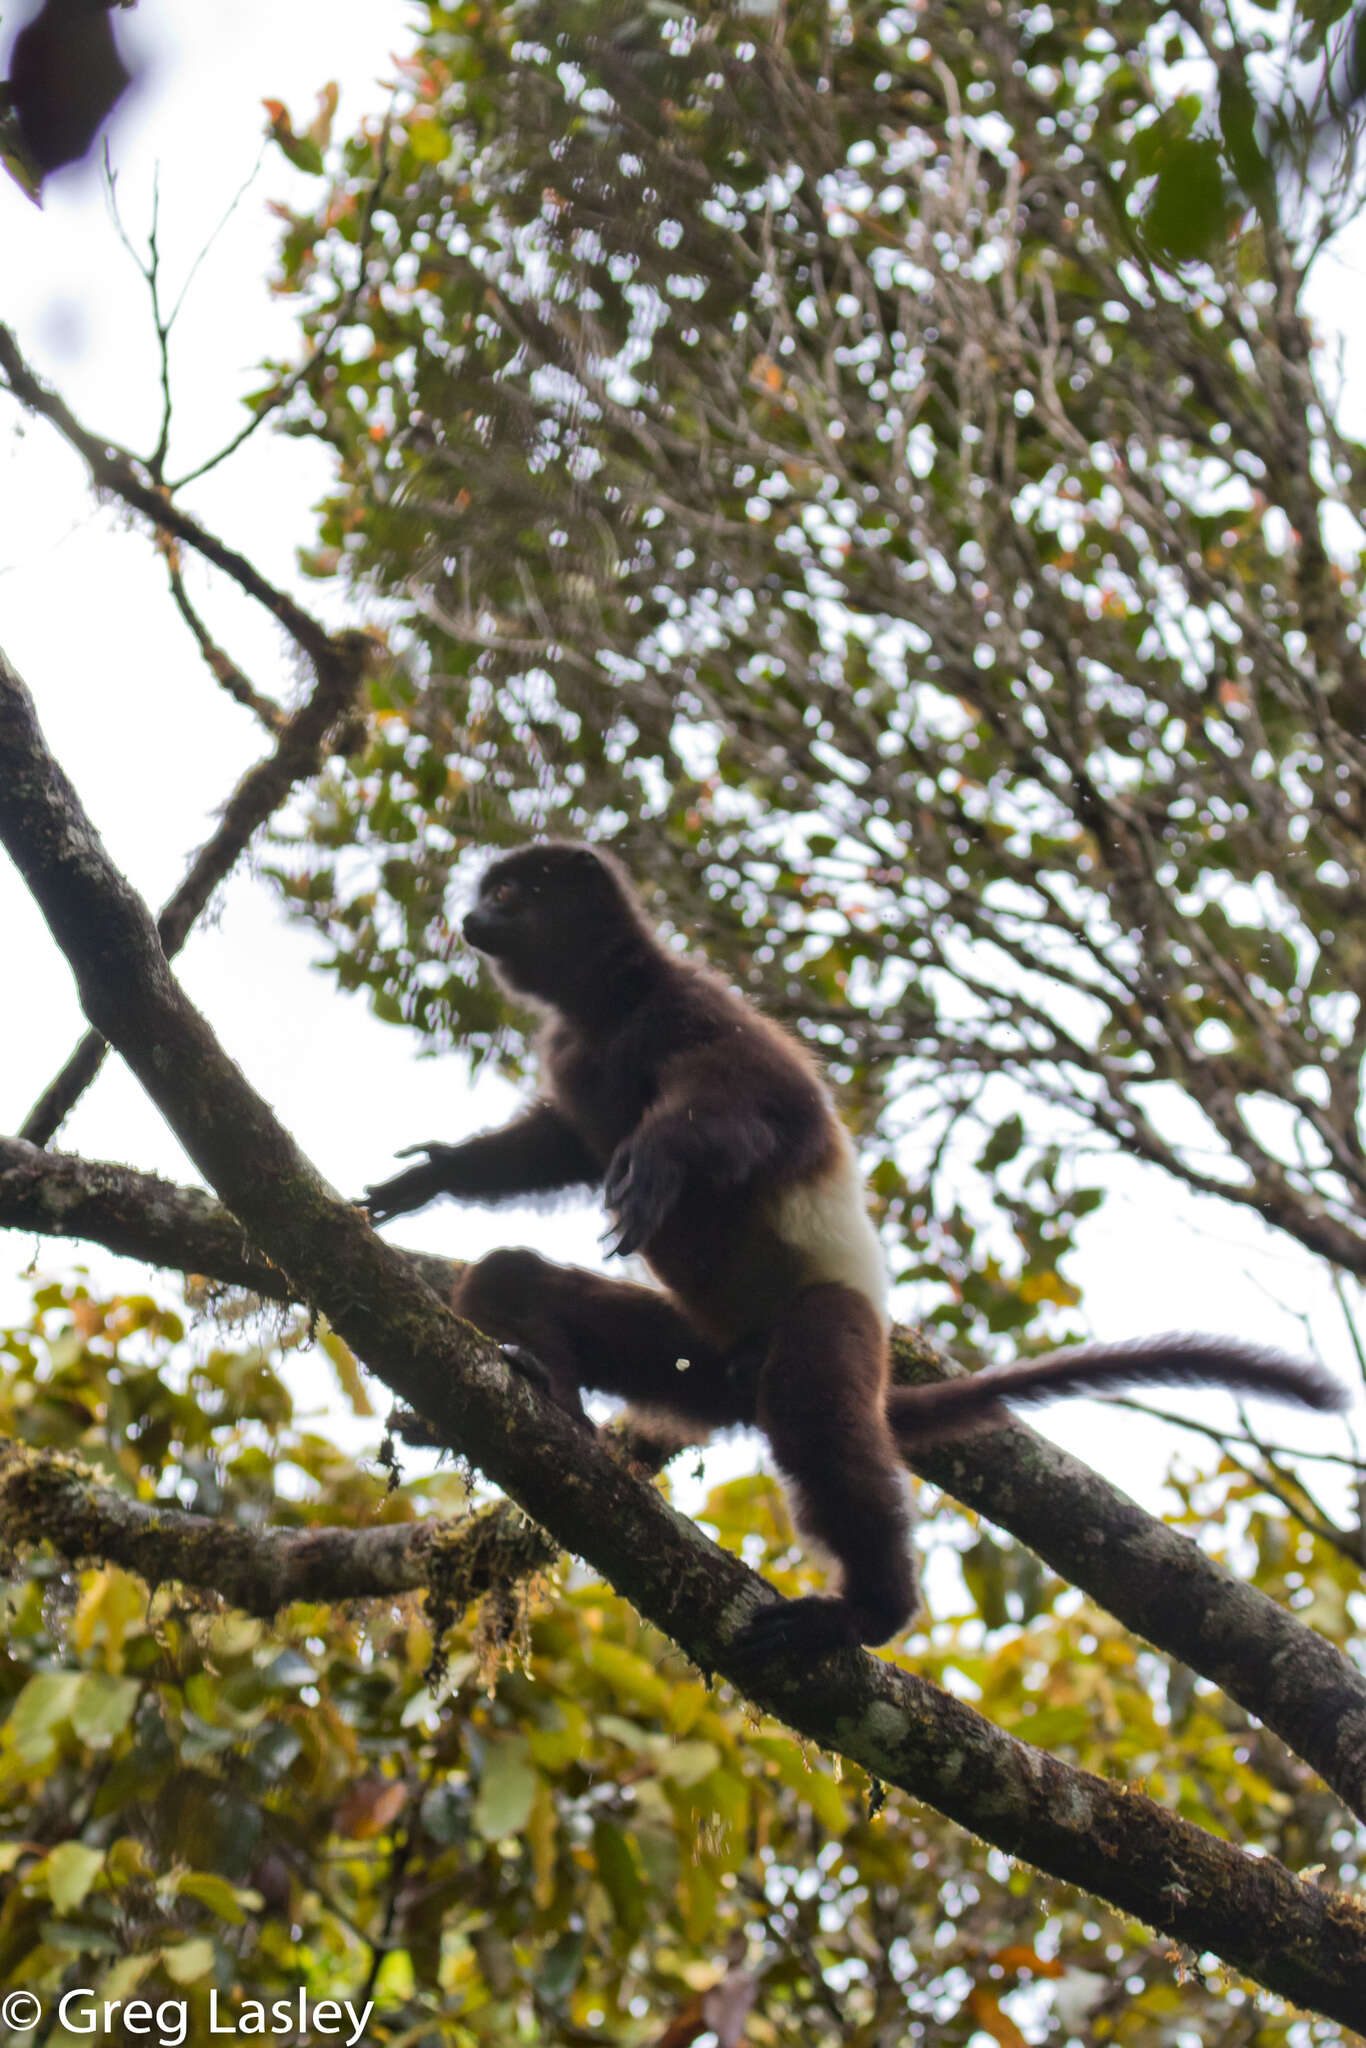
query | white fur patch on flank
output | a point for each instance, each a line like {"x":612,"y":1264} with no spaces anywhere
{"x":826,"y":1222}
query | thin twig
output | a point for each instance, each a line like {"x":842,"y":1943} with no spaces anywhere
{"x":238,"y":196}
{"x":220,"y":664}
{"x":1272,"y":1482}
{"x":115,"y":469}
{"x":1224,"y":1436}
{"x":342,"y":312}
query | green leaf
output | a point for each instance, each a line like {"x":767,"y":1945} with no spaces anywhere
{"x":45,"y":1702}
{"x":1002,"y":1146}
{"x":560,"y":1970}
{"x":507,"y":1786}
{"x":562,"y":1734}
{"x":124,"y":1978}
{"x":687,"y":1763}
{"x":618,"y":1867}
{"x":429,"y":142}
{"x":188,"y":1961}
{"x":103,"y":1707}
{"x":807,"y":1778}
{"x":349,"y":1376}
{"x":1187,"y":212}
{"x":629,"y":1675}
{"x":301,"y":150}
{"x":69,"y":1870}
{"x":230,"y":1902}
{"x":1238,"y":126}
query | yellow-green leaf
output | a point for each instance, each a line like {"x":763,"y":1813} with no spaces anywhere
{"x":126,"y":1976}
{"x":44,"y":1702}
{"x":429,"y":142}
{"x":507,"y":1786}
{"x":562,"y":1736}
{"x":103,"y":1707}
{"x":69,"y":1871}
{"x":618,"y":1867}
{"x":686,"y":1763}
{"x":349,"y":1376}
{"x":815,"y":1787}
{"x":229,"y":1901}
{"x":188,"y":1960}
{"x":630,"y":1676}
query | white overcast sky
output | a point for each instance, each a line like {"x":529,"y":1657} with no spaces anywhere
{"x":152,"y":745}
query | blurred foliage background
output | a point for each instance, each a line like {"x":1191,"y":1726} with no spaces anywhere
{"x":560,"y":1833}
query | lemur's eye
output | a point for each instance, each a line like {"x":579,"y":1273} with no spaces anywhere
{"x":503,"y":894}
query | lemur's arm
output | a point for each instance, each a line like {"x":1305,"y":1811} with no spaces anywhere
{"x":534,"y":1154}
{"x":715,"y":1124}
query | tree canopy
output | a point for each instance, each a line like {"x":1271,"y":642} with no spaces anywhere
{"x":871,"y":465}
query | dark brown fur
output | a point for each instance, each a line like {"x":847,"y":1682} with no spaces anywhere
{"x":722,"y":1160}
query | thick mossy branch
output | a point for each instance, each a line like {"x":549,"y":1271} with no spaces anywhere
{"x":50,"y":1497}
{"x":144,"y":1217}
{"x":53,"y":1498}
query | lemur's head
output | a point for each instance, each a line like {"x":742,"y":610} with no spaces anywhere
{"x":546,"y":913}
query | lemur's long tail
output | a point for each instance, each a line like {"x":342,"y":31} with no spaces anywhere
{"x":981,"y":1400}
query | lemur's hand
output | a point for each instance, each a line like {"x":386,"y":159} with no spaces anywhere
{"x":410,"y":1190}
{"x":643,"y":1182}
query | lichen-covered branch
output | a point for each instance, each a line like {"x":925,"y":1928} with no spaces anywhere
{"x":50,"y":1497}
{"x":144,"y":1217}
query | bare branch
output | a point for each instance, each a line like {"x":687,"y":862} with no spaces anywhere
{"x":220,"y":665}
{"x":302,"y":747}
{"x":1223,"y":1437}
{"x":337,"y":319}
{"x":114,"y":469}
